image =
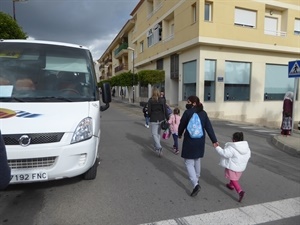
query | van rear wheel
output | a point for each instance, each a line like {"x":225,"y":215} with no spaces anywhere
{"x":92,"y":172}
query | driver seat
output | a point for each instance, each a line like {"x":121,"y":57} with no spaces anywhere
{"x":67,"y":81}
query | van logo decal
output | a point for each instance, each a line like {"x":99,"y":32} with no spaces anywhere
{"x":24,"y":140}
{"x":25,"y":114}
{"x":7,"y":113}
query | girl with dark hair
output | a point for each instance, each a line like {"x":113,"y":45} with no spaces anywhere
{"x":193,"y":148}
{"x":234,"y":158}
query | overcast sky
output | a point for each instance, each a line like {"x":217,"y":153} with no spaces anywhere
{"x":93,"y":23}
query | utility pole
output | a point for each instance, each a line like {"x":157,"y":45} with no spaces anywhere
{"x":132,"y":49}
{"x":14,"y":7}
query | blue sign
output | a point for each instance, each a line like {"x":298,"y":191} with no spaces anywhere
{"x":294,"y":69}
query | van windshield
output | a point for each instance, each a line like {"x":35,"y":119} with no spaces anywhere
{"x":46,"y":73}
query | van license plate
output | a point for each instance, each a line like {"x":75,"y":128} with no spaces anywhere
{"x":34,"y":176}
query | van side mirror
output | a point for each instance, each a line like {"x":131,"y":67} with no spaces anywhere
{"x":106,"y":96}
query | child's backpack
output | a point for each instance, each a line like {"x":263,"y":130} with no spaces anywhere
{"x":169,"y":111}
{"x":194,"y":126}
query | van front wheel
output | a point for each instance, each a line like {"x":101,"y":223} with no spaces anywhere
{"x":92,"y":172}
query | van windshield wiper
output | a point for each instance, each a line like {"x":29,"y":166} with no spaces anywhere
{"x":55,"y":98}
{"x":12,"y":99}
{"x":18,"y":99}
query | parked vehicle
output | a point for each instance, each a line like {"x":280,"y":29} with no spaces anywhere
{"x":50,"y":110}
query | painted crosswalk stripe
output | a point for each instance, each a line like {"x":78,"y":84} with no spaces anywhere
{"x":251,"y":128}
{"x":262,"y":131}
{"x":248,"y":215}
{"x":232,"y":124}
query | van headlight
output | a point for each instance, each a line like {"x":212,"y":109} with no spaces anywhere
{"x":83,"y":131}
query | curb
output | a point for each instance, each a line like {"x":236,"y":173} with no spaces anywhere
{"x":290,"y":150}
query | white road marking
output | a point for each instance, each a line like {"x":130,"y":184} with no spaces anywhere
{"x":262,"y":131}
{"x":271,"y":131}
{"x":248,"y":215}
{"x":251,"y":128}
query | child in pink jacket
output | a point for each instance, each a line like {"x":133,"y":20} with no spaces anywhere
{"x":174,"y":121}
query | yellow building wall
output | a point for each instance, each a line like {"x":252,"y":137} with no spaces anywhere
{"x":222,"y":24}
{"x":221,"y":40}
{"x":182,"y":11}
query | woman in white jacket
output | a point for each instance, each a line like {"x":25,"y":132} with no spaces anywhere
{"x":234,"y":157}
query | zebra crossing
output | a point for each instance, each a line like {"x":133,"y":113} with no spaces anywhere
{"x":248,"y":215}
{"x":258,"y":129}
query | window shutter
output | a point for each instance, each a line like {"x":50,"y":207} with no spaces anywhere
{"x":245,"y":17}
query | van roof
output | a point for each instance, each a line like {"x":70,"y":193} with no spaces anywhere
{"x":43,"y":42}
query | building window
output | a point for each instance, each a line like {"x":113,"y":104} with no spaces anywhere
{"x":194,"y":13}
{"x":189,"y":79}
{"x":210,"y":80}
{"x":271,"y":25}
{"x":150,"y":37}
{"x":208,"y":11}
{"x":143,"y":90}
{"x":154,"y":35}
{"x":297,"y":27}
{"x":150,"y":7}
{"x":168,"y":27}
{"x":172,"y":29}
{"x":245,"y":18}
{"x":277,"y":82}
{"x":157,"y":32}
{"x":142,"y":46}
{"x":160,"y":64}
{"x":237,"y":81}
{"x":174,"y":66}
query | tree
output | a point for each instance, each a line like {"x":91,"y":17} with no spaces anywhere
{"x":151,"y":77}
{"x":127,"y":79}
{"x":9,"y":28}
{"x":100,"y":83}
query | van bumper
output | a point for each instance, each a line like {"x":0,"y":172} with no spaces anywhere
{"x":54,"y":161}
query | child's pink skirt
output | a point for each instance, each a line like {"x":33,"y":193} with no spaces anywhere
{"x":232,"y":175}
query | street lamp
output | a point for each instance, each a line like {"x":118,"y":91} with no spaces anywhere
{"x":14,"y":7}
{"x":132,"y":49}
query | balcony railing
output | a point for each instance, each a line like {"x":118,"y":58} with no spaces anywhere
{"x":121,"y":67}
{"x":275,"y":33}
{"x":120,"y":48}
{"x":107,"y":61}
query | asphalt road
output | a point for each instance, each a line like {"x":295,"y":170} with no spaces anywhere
{"x":135,"y":186}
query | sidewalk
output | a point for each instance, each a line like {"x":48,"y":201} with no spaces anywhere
{"x":289,"y":144}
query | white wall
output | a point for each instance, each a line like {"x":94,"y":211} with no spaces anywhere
{"x":254,"y":111}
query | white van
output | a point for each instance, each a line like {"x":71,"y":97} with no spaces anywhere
{"x":50,"y":110}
